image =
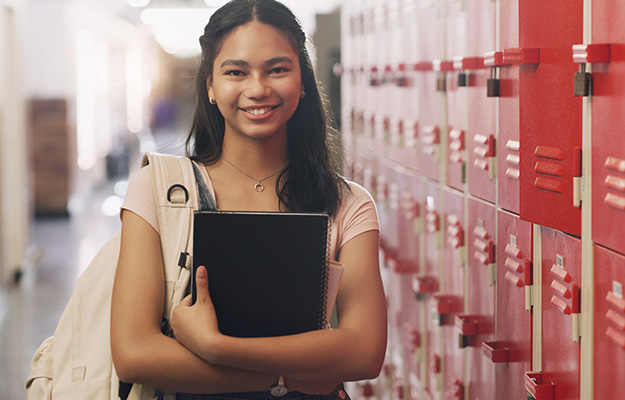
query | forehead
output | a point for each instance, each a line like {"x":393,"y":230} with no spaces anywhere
{"x":255,"y":41}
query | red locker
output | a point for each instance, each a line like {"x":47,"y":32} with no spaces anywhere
{"x":388,"y":204}
{"x":608,"y":142}
{"x":456,"y":96}
{"x":550,"y":115}
{"x":426,"y":286}
{"x":451,"y":300}
{"x":481,"y":167}
{"x":561,"y":274}
{"x":508,"y":143}
{"x":410,"y":222}
{"x":427,"y":282}
{"x":511,"y":352}
{"x":609,"y":363}
{"x":478,"y":325}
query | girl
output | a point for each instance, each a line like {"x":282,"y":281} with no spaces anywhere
{"x":259,"y":124}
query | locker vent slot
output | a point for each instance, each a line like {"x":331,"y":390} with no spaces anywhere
{"x":430,"y":140}
{"x":565,"y":292}
{"x":616,"y":316}
{"x":456,"y":146}
{"x":513,"y":159}
{"x":516,"y":268}
{"x":615,"y":182}
{"x":483,"y":150}
{"x":548,"y":168}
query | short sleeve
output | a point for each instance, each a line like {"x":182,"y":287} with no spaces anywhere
{"x":140,"y":197}
{"x":357,"y":214}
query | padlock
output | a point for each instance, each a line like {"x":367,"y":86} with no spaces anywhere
{"x":463,"y":341}
{"x":441,"y":83}
{"x":583,"y":81}
{"x":463,"y":80}
{"x":492,"y":84}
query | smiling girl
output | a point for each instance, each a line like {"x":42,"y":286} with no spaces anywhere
{"x":261,"y":141}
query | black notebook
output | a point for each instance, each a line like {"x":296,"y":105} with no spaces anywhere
{"x":267,"y":272}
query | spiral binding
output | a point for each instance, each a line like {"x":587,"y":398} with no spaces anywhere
{"x":324,"y":319}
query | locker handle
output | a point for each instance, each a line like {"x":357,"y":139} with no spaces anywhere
{"x":467,"y":325}
{"x":442,"y":65}
{"x":423,"y":66}
{"x":445,"y":304}
{"x":535,"y":386}
{"x":521,"y":56}
{"x":493,"y":59}
{"x":424,"y":285}
{"x":616,"y":301}
{"x":591,"y":53}
{"x":468,"y":63}
{"x":495,"y":354}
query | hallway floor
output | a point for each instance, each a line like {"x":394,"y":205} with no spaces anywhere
{"x":30,"y":311}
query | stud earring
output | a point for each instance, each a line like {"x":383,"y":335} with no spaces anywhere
{"x":302,"y":94}
{"x":211,"y":100}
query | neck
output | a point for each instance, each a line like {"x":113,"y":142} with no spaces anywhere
{"x":258,"y":157}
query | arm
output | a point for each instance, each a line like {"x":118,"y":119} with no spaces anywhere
{"x":354,"y":351}
{"x":141,"y":353}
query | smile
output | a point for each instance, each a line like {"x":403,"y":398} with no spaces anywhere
{"x":259,"y":110}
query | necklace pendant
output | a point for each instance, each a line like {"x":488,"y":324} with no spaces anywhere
{"x":259,"y":187}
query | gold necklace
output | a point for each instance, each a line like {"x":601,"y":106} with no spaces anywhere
{"x":258,"y":186}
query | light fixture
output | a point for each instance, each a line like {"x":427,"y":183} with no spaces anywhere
{"x":138,"y":3}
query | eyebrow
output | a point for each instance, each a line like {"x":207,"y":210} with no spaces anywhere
{"x":271,"y":61}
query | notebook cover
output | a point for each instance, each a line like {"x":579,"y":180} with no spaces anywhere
{"x":267,"y":272}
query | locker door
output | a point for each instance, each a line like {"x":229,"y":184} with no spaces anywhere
{"x":426,"y":285}
{"x":511,"y":353}
{"x":428,"y":115}
{"x":456,"y":96}
{"x":409,"y":222}
{"x":451,"y":300}
{"x":550,"y":115}
{"x":481,"y":168}
{"x":608,"y":142}
{"x":609,"y":363}
{"x":561,"y":273}
{"x":478,"y":325}
{"x":508,"y":145}
{"x":387,"y":201}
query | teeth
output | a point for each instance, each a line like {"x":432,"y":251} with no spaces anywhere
{"x":258,"y":111}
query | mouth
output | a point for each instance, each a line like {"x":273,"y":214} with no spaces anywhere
{"x":259,"y":110}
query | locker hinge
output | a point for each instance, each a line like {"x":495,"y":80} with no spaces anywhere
{"x":578,"y":179}
{"x":529,"y":288}
{"x":577,"y":327}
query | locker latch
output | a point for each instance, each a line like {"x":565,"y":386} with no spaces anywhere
{"x":585,"y":54}
{"x":467,"y":326}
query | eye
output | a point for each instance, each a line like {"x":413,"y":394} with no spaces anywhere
{"x":234,"y":72}
{"x":279,"y":70}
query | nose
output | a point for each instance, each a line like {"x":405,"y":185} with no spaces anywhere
{"x":257,"y":87}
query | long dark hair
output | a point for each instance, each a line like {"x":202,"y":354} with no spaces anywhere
{"x":312,"y":182}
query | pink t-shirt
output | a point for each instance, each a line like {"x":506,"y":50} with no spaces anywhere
{"x":356,"y":215}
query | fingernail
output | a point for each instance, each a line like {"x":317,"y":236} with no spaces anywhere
{"x":201,"y":273}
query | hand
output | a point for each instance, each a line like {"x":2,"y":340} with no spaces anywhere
{"x":195,"y":326}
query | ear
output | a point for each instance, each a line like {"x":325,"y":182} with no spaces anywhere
{"x":209,"y":89}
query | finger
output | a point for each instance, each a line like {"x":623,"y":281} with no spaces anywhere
{"x":201,"y":282}
{"x":186,"y":302}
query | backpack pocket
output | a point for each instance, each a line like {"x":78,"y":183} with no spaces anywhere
{"x":39,"y":383}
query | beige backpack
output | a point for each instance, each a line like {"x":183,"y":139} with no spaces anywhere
{"x":76,"y":362}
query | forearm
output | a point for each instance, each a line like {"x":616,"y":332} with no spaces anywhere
{"x":162,"y":362}
{"x":318,"y":356}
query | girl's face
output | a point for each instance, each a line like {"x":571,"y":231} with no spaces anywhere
{"x":256,"y":81}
